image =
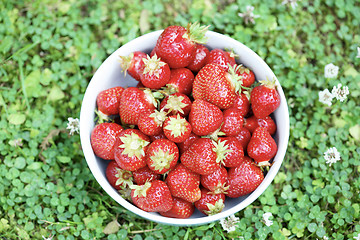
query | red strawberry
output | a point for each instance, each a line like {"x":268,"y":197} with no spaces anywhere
{"x":108,"y":101}
{"x":181,"y":80}
{"x":117,"y":177}
{"x":221,"y":58}
{"x":264,"y":99}
{"x":262,"y":147}
{"x":152,"y":196}
{"x":215,"y":85}
{"x":150,"y":123}
{"x":251,"y":123}
{"x":130,"y":148}
{"x":176,"y":103}
{"x":210,"y":203}
{"x":248,"y":77}
{"x":183,"y":146}
{"x":103,"y":138}
{"x":233,"y":122}
{"x":133,"y":63}
{"x":201,"y":56}
{"x":244,"y":137}
{"x":204,"y":117}
{"x":184,"y":183}
{"x":180,"y":209}
{"x":162,"y":155}
{"x":161,"y":135}
{"x":244,"y":178}
{"x":134,"y":101}
{"x":242,"y":103}
{"x":216,"y":181}
{"x":155,"y":73}
{"x":176,"y":128}
{"x":204,"y":156}
{"x":235,"y":153}
{"x":145,"y":174}
{"x":176,"y":44}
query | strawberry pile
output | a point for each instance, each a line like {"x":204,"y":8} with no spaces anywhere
{"x":195,"y":130}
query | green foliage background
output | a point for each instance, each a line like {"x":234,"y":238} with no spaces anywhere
{"x":49,"y":51}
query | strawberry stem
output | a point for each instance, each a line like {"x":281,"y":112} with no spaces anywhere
{"x":268,"y":83}
{"x":196,"y":33}
{"x":140,"y":190}
{"x":125,"y":62}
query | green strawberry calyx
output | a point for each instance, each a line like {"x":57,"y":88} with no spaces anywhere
{"x":161,"y":160}
{"x":177,"y":126}
{"x":221,"y":150}
{"x":125,"y":62}
{"x":268,"y":83}
{"x":215,"y":208}
{"x":140,"y":190}
{"x":220,"y":188}
{"x":124,"y":177}
{"x":159,"y":117}
{"x":153,"y":65}
{"x":133,"y":145}
{"x":196,"y":33}
{"x":174,"y":103}
{"x":235,"y":78}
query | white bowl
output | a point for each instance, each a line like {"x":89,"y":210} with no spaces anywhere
{"x":109,"y":75}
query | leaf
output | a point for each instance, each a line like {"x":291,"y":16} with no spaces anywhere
{"x":64,"y":159}
{"x":351,"y":72}
{"x":32,"y":84}
{"x":17,"y":118}
{"x":112,"y":227}
{"x":355,"y":132}
{"x":55,"y":94}
{"x":6,"y":44}
{"x":35,"y":165}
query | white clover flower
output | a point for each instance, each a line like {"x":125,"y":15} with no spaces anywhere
{"x":357,"y":237}
{"x":326,"y":97}
{"x":249,"y":16}
{"x":266,"y":217}
{"x":332,"y":155}
{"x":331,"y":71}
{"x":229,"y":223}
{"x":293,"y":3}
{"x":73,"y":125}
{"x":358,"y":52}
{"x":326,"y":238}
{"x":340,"y":93}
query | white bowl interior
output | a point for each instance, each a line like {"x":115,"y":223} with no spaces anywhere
{"x":109,"y":75}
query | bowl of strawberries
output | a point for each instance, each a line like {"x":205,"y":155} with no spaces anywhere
{"x":184,"y":126}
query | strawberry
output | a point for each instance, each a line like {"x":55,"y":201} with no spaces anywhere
{"x":204,"y":117}
{"x":177,"y":103}
{"x":183,"y":146}
{"x":184,"y":183}
{"x":180,"y":209}
{"x":103,"y":138}
{"x":133,"y":63}
{"x":233,"y":122}
{"x":216,"y":181}
{"x":262,"y":147}
{"x":155,"y":73}
{"x":161,"y":135}
{"x":162,"y":155}
{"x":242,"y":103}
{"x":181,"y":80}
{"x":251,"y":123}
{"x":248,"y":77}
{"x":244,"y":178}
{"x":210,"y":203}
{"x":130,"y":148}
{"x":176,"y":128}
{"x":152,"y":196}
{"x":145,"y":174}
{"x":176,"y":44}
{"x":134,"y":101}
{"x":200,"y":58}
{"x":222,"y":58}
{"x":117,"y":177}
{"x":108,"y":101}
{"x":150,"y":123}
{"x":264,"y":99}
{"x":204,"y":156}
{"x":217,"y":86}
{"x":244,"y":137}
{"x":235,"y":153}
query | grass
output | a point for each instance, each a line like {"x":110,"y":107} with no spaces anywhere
{"x":49,"y":51}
